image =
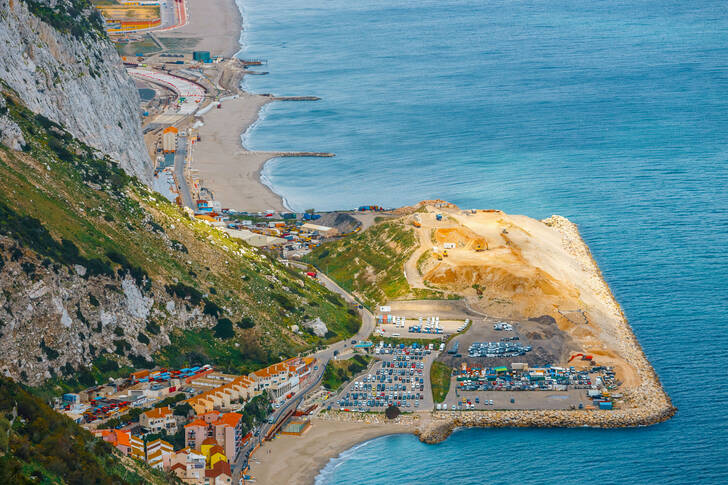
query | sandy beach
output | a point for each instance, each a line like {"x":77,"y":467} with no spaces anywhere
{"x":214,"y":25}
{"x":225,"y":167}
{"x":298,"y":459}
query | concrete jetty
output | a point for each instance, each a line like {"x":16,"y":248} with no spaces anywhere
{"x":306,"y":154}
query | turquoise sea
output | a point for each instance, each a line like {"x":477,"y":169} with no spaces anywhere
{"x":611,"y":113}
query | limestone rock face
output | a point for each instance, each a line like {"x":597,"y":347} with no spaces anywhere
{"x":72,"y":76}
{"x":10,"y":134}
{"x":318,"y":327}
{"x":53,"y":319}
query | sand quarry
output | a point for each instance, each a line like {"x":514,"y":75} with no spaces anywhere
{"x":518,"y":268}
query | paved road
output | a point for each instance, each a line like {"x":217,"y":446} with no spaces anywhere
{"x":179,"y":172}
{"x":367,"y":321}
{"x":313,"y":383}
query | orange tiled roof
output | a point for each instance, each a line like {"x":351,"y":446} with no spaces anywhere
{"x":229,"y":419}
{"x":158,"y":412}
{"x":122,"y":438}
{"x":220,"y":468}
{"x":196,"y":422}
{"x":217,"y":449}
{"x":209,"y":441}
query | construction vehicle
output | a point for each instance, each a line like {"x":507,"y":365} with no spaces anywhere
{"x":583,"y":357}
{"x":416,"y":223}
{"x":438,"y":256}
{"x":481,"y":246}
{"x":444,"y":253}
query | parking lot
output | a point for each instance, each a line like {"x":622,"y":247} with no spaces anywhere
{"x":521,"y":399}
{"x":400,"y":377}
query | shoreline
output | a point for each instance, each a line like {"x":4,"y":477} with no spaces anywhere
{"x":307,"y":455}
{"x":232,"y":172}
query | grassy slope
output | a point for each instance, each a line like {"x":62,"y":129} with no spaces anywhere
{"x":340,"y":371}
{"x":440,"y":378}
{"x":75,"y":195}
{"x":371,"y":264}
{"x":41,"y":446}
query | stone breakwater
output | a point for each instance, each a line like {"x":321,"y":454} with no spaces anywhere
{"x":648,"y":397}
{"x":442,"y":423}
{"x":644,"y":404}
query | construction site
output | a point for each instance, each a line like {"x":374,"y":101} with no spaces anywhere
{"x":530,"y":300}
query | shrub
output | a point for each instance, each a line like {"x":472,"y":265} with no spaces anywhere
{"x":180,"y":290}
{"x":246,"y":322}
{"x":392,"y":412}
{"x":224,"y":329}
{"x":142,"y":339}
{"x":211,"y":309}
{"x":153,"y":328}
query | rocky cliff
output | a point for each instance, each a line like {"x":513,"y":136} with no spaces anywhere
{"x":57,"y":58}
{"x":97,"y":272}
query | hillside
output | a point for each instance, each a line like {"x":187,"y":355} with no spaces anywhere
{"x":97,"y":269}
{"x":504,"y":266}
{"x":370,"y":264}
{"x":58,"y":59}
{"x":38,"y":445}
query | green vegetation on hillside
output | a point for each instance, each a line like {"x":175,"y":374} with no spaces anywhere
{"x":440,"y":378}
{"x":76,"y":17}
{"x":340,"y":371}
{"x":67,"y":204}
{"x":38,"y":445}
{"x":371,"y":263}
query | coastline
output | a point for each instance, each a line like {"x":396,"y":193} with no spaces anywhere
{"x":224,"y":165}
{"x":306,"y":455}
{"x":233,"y":173}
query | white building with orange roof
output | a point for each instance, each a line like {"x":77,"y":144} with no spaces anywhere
{"x":158,"y":419}
{"x":157,"y":452}
{"x":223,"y":393}
{"x":283,"y":378}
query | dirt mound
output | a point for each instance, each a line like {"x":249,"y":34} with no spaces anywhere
{"x":342,"y":221}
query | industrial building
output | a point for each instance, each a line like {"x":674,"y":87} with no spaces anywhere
{"x":169,"y":139}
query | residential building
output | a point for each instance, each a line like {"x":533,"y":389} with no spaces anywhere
{"x":226,"y":431}
{"x":224,"y":392}
{"x":213,"y":452}
{"x":169,"y":139}
{"x":195,"y":433}
{"x":159,"y":419}
{"x":188,"y":465}
{"x":157,"y":450}
{"x":283,"y":378}
{"x":219,"y":474}
{"x":124,"y":441}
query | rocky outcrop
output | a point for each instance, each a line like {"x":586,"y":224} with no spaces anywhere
{"x":10,"y":133}
{"x":54,"y":319}
{"x":64,"y":67}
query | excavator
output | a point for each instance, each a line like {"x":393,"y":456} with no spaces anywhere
{"x":583,"y":357}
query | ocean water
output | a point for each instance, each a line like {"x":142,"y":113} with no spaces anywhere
{"x":613,"y":114}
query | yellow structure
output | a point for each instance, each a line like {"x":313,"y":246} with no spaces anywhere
{"x":213,"y":452}
{"x":127,"y":18}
